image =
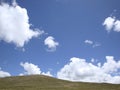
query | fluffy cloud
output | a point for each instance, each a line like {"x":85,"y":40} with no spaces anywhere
{"x":80,"y":70}
{"x":32,"y":69}
{"x":4,"y":74}
{"x":94,"y":44}
{"x":49,"y":41}
{"x":14,"y":25}
{"x":117,"y":26}
{"x":111,"y":23}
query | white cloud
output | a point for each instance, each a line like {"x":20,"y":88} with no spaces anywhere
{"x":94,"y":44}
{"x":117,"y":26}
{"x":47,"y":73}
{"x":4,"y":74}
{"x":80,"y":70}
{"x":111,"y":23}
{"x":88,"y":42}
{"x":14,"y":25}
{"x":92,"y":60}
{"x":30,"y":69}
{"x":14,"y":3}
{"x":49,"y":41}
{"x":111,"y":65}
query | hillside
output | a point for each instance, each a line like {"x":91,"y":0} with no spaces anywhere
{"x":40,"y":82}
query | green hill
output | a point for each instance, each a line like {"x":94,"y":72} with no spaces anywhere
{"x":40,"y":82}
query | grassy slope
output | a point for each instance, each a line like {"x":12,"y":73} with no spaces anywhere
{"x":39,"y":82}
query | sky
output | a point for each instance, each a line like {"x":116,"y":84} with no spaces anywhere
{"x":76,"y":40}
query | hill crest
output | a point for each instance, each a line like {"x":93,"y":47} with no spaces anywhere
{"x":41,"y":82}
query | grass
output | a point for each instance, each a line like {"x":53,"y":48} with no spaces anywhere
{"x":40,"y":82}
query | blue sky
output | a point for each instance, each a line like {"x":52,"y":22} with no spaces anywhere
{"x":76,"y":28}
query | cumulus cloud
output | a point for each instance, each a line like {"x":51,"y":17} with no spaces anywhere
{"x":14,"y":25}
{"x":4,"y":74}
{"x":80,"y":70}
{"x":111,"y":23}
{"x":117,"y":26}
{"x":94,"y":44}
{"x":32,"y":69}
{"x":51,"y":44}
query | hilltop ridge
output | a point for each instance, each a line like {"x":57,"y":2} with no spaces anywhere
{"x":41,"y":82}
